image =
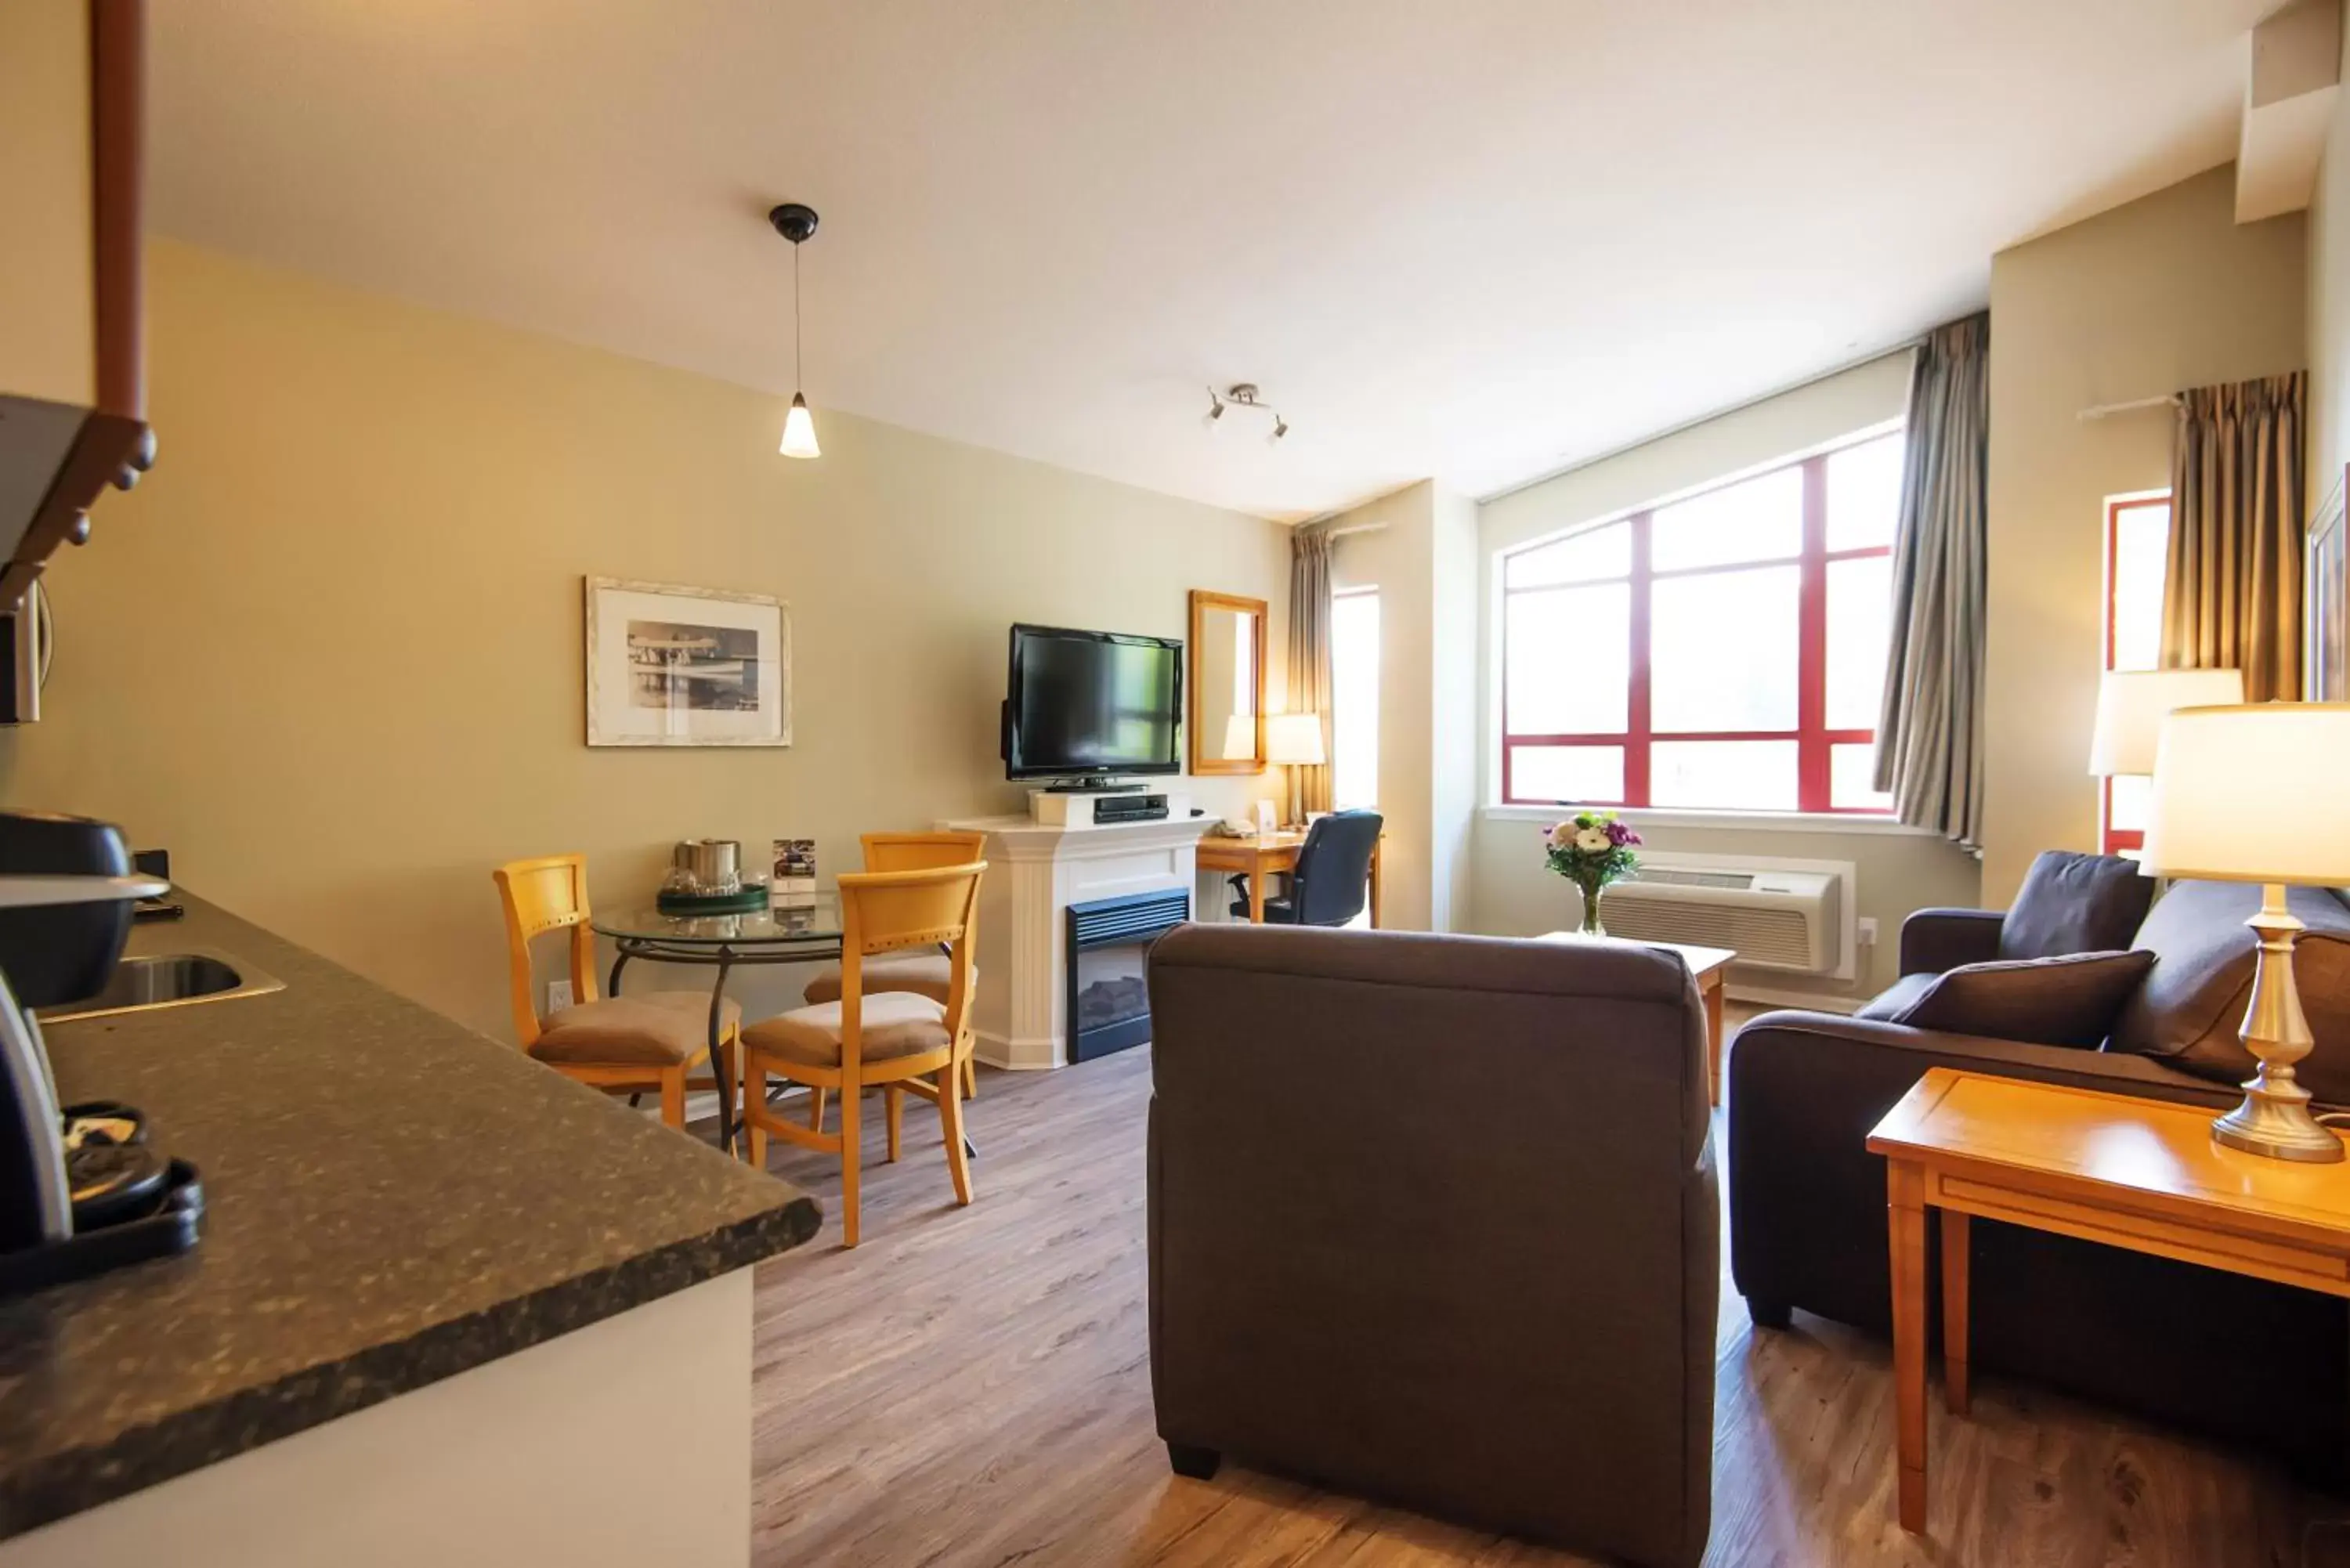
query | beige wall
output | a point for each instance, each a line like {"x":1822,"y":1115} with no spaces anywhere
{"x":46,"y":317}
{"x":2329,"y":304}
{"x":2165,"y":292}
{"x":1515,"y":895}
{"x":1419,"y":547}
{"x":329,"y":651}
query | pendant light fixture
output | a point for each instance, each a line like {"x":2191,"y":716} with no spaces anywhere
{"x":795,"y":223}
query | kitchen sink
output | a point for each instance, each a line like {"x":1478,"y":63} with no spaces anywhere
{"x":167,"y":980}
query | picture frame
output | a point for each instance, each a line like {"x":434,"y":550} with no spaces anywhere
{"x":2326,"y":608}
{"x":674,"y":666}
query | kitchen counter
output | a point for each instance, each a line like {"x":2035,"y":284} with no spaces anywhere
{"x":391,"y":1200}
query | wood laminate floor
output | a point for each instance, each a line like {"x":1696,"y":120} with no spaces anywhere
{"x":971,"y":1387}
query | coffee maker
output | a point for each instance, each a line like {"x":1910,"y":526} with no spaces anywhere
{"x":80,"y":1190}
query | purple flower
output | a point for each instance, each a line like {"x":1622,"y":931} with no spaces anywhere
{"x":1621,"y":834}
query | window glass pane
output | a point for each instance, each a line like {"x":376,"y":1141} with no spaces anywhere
{"x":1575,"y":775}
{"x":1732,"y":775}
{"x":1354,"y":700}
{"x":2141,"y":544}
{"x":1761,"y":519}
{"x":1852,"y":769}
{"x":1568,"y":664}
{"x":1583,"y":557}
{"x":2132,"y":793}
{"x":1864,"y":493}
{"x":1860,"y":615}
{"x":1722,"y":650}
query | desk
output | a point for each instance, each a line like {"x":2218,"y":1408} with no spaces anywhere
{"x":1258,"y":855}
{"x":2111,"y":1169}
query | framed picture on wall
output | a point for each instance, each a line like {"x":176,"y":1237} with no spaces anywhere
{"x":671,"y":666}
{"x":2326,"y":617}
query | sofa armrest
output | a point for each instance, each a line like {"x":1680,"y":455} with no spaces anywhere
{"x":1806,"y":1198}
{"x":1933,"y":941}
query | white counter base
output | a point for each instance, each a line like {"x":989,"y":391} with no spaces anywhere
{"x":625,"y":1443}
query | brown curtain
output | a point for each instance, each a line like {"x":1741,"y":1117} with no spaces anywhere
{"x":1930,"y":728}
{"x":1309,"y":660}
{"x":2239,"y":516}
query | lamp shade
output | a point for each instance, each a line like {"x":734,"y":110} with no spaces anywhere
{"x":2252,"y":794}
{"x":799,"y":430}
{"x":1293,"y":738}
{"x":1239,"y":738}
{"x":2130,"y":706}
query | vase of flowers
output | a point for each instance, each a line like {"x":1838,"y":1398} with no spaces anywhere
{"x":1591,"y":849}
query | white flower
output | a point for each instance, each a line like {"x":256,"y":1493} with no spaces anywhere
{"x":1592,"y":840}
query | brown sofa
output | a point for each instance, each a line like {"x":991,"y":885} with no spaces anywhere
{"x":1432,"y":1220}
{"x":2242,"y":1360}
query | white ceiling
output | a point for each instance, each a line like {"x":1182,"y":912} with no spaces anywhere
{"x":1480,"y":240}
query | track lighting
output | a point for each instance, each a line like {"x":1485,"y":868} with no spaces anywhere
{"x":1243,"y":395}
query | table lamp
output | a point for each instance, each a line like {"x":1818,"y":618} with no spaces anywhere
{"x":1294,"y":739}
{"x":1239,"y":738}
{"x":2130,"y":706}
{"x":2255,"y":794}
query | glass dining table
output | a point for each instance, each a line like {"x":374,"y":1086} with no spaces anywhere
{"x":808,"y":930}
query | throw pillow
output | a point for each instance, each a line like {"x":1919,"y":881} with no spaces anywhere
{"x":2070,"y":999}
{"x":2190,"y":1007}
{"x":2072,"y":903}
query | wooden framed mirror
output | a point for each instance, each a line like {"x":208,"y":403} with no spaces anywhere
{"x":1227,"y":673}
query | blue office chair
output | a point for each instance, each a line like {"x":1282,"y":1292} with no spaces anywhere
{"x":1332,"y":877}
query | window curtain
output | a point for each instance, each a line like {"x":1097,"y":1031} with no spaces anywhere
{"x":1309,"y":660}
{"x":1929,"y":729}
{"x":2239,"y":516}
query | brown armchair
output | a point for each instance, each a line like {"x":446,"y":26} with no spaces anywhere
{"x":1433,"y":1219}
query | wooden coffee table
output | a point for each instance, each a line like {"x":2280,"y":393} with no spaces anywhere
{"x":2104,"y":1167}
{"x":1707,"y":965}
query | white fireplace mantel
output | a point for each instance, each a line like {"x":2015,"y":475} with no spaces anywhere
{"x":1034,"y":874}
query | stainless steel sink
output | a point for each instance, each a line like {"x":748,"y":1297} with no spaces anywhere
{"x":167,"y":980}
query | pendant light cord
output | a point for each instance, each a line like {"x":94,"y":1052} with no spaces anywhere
{"x":797,"y":386}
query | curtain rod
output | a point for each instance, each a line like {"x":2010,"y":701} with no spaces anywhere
{"x":1353,"y":528}
{"x":2103,"y":411}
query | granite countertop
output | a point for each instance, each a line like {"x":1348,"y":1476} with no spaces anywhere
{"x":390,"y":1199}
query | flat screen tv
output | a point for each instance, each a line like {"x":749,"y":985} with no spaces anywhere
{"x":1092,"y":704}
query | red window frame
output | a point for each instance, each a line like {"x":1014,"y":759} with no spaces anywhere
{"x":1810,"y":735}
{"x":2114,"y":840}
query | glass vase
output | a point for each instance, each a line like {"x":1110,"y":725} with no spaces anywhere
{"x":1591,"y":926}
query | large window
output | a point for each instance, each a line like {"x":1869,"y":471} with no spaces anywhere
{"x":2137,"y":550}
{"x":1724,"y":652}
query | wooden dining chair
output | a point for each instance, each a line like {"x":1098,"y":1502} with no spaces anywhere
{"x":898,"y":1041}
{"x":623,"y":1044}
{"x":923,"y":973}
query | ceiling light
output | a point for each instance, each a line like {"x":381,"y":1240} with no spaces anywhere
{"x":1243,"y":395}
{"x":795,"y":223}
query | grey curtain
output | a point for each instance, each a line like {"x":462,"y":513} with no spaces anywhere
{"x":1929,"y":729}
{"x":2239,"y":516}
{"x":1309,"y":660}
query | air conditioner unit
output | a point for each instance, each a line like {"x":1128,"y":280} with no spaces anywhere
{"x":1792,"y":921}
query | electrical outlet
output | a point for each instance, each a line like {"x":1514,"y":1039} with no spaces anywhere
{"x":1869,"y":930}
{"x":558,"y":995}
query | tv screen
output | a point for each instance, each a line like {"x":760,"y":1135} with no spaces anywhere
{"x":1092,"y":702}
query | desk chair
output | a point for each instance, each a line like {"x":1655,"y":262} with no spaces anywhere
{"x":1329,"y":887}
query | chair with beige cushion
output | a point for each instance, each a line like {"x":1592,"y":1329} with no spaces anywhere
{"x":630,"y":1045}
{"x":926,"y":974}
{"x":898,"y":1041}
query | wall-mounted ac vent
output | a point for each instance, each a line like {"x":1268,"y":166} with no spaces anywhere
{"x":1792,"y":920}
